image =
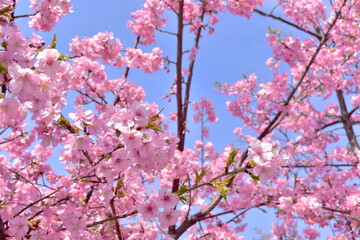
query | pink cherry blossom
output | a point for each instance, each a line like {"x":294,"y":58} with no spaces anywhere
{"x":168,"y":217}
{"x":260,"y":151}
{"x":38,"y":234}
{"x":81,"y":118}
{"x":166,"y":200}
{"x":23,"y":79}
{"x":18,"y":227}
{"x":148,"y":210}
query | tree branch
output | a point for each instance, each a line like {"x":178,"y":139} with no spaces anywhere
{"x":191,"y":70}
{"x":348,"y":125}
{"x":26,"y":15}
{"x":111,"y":219}
{"x":270,"y":15}
{"x":117,"y":225}
{"x":32,"y":204}
{"x":179,"y":79}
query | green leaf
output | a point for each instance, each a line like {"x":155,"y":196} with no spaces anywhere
{"x":200,"y":175}
{"x":183,"y":189}
{"x":252,"y":163}
{"x":4,"y":44}
{"x":53,"y":42}
{"x":263,"y":210}
{"x":226,"y":181}
{"x":276,"y":31}
{"x":119,"y":184}
{"x":184,"y":199}
{"x":217,"y":84}
{"x":156,"y":117}
{"x":63,"y":122}
{"x":231,"y":158}
{"x":3,"y":69}
{"x":120,"y":194}
{"x":63,"y":57}
{"x":222,"y":189}
{"x":151,"y":123}
{"x":7,"y":15}
{"x":152,"y":126}
{"x":118,"y":133}
{"x":254,"y":177}
{"x":5,"y":11}
{"x":88,"y":180}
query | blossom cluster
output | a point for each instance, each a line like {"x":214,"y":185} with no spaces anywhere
{"x":165,"y":200}
{"x":266,"y":159}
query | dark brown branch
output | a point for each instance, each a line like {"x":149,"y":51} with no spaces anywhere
{"x":352,"y":111}
{"x":86,"y":154}
{"x":126,"y":74}
{"x":32,"y":204}
{"x":25,"y":179}
{"x":216,"y":215}
{"x":127,"y":70}
{"x":107,"y":154}
{"x":348,"y":125}
{"x":191,"y":71}
{"x":117,"y":225}
{"x":6,"y":140}
{"x":3,"y":234}
{"x":4,"y":130}
{"x":41,"y":211}
{"x":327,"y":125}
{"x":179,"y":79}
{"x":94,"y":90}
{"x":288,"y":23}
{"x":167,"y":32}
{"x":111,"y":219}
{"x":88,"y":96}
{"x":238,"y":215}
{"x":26,"y":15}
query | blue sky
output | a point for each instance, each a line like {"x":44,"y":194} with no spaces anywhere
{"x":237,"y":47}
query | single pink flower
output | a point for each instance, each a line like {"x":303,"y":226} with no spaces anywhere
{"x":18,"y":227}
{"x":168,"y":217}
{"x":148,"y":210}
{"x":166,"y":199}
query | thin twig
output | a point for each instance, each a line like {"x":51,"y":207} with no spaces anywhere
{"x":167,"y":32}
{"x":112,"y":219}
{"x":288,"y":23}
{"x":216,"y":215}
{"x":32,"y":204}
{"x":88,"y":96}
{"x":26,"y":15}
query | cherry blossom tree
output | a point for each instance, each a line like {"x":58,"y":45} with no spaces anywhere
{"x":301,"y":158}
